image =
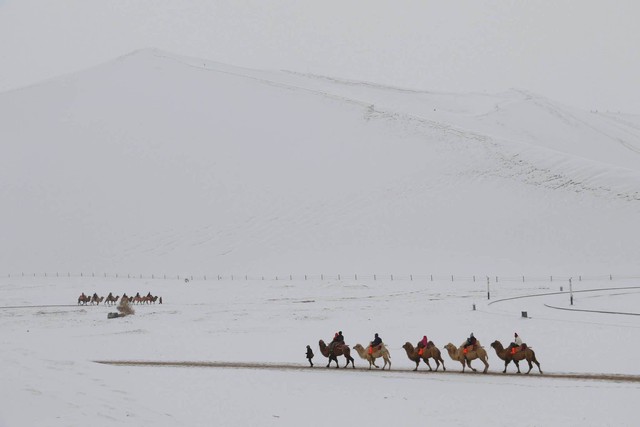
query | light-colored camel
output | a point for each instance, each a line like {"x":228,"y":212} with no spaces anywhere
{"x":458,"y":354}
{"x":371,"y":358}
{"x":505,"y":354}
{"x":430,"y":352}
{"x":338,"y":350}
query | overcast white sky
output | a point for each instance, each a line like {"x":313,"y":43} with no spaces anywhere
{"x":583,"y":53}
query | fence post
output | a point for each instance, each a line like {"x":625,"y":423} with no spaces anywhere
{"x":570,"y":292}
{"x":432,"y":277}
{"x":411,"y":277}
{"x":374,"y":277}
{"x":452,"y":277}
{"x":522,"y":279}
{"x":392,"y":277}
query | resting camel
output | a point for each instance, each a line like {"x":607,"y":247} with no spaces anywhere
{"x":505,"y":354}
{"x":430,"y":352}
{"x":338,"y":350}
{"x":477,"y":353}
{"x":380,"y":351}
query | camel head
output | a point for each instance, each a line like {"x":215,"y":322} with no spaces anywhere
{"x":450,"y":348}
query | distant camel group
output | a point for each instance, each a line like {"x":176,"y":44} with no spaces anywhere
{"x":84,"y":299}
{"x":463,"y":354}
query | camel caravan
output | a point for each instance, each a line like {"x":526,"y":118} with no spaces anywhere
{"x":84,"y":299}
{"x":469,"y":350}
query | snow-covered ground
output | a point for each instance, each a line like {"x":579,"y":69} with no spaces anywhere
{"x":157,"y":164}
{"x":49,"y":353}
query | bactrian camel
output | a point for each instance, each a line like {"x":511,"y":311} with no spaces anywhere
{"x":338,"y":350}
{"x":379,"y":351}
{"x":505,"y":354}
{"x":430,"y":352}
{"x":478,"y":352}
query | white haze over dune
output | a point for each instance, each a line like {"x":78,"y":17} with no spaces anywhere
{"x":581,"y":53}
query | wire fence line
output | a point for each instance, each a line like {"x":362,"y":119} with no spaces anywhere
{"x":330,"y":277}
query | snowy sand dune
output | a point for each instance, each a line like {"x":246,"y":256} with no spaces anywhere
{"x":155,"y":160}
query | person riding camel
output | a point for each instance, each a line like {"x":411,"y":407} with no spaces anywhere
{"x":422,"y":344}
{"x":375,"y":343}
{"x":338,"y":338}
{"x":517,"y":344}
{"x":471,"y":341}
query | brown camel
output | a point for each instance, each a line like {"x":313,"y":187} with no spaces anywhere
{"x":111,"y":299}
{"x":339,"y":349}
{"x":478,"y":352}
{"x":83,"y":299}
{"x":430,"y":352}
{"x":379,"y":351}
{"x":505,"y":354}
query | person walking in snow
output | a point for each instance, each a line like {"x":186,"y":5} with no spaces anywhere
{"x":310,"y":355}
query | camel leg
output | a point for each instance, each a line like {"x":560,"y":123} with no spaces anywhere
{"x":530,"y":366}
{"x":442,"y":361}
{"x":417,"y":363}
{"x":486,"y":365}
{"x":353,"y":365}
{"x":428,"y":364}
{"x":517,"y":365}
{"x":372,"y":361}
{"x":537,"y":364}
{"x":506,"y":363}
{"x":469,"y":364}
